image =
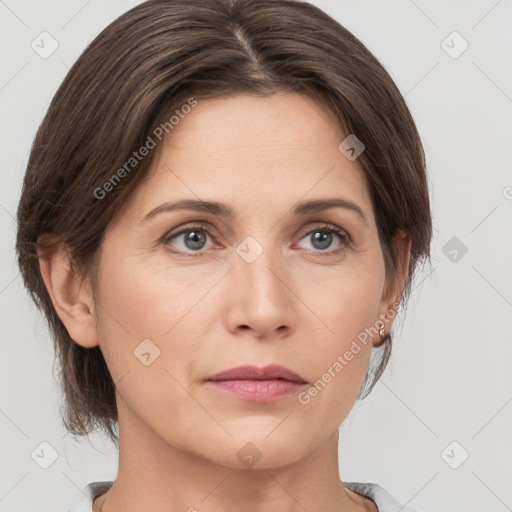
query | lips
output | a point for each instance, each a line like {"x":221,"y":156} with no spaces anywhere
{"x":270,"y":372}
{"x":254,"y":384}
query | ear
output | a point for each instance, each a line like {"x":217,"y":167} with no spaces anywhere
{"x":72,"y":301}
{"x":402,"y":243}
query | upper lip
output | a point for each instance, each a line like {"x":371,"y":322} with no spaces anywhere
{"x":248,"y":372}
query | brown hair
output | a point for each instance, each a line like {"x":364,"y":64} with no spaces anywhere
{"x":134,"y":75}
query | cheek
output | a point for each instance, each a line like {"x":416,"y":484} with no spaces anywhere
{"x":347,"y":305}
{"x":147,"y":338}
{"x":347,"y":300}
{"x":148,"y":297}
{"x":171,"y":305}
{"x":142,"y":301}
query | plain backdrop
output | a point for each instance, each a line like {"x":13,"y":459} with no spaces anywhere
{"x":435,"y":432}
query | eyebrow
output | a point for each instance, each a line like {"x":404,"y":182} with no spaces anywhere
{"x":222,"y":210}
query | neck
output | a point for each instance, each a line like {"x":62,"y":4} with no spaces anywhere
{"x":154,"y":475}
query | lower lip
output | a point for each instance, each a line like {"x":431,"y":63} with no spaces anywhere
{"x":257,"y":390}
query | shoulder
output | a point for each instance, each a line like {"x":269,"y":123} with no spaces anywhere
{"x":83,"y":503}
{"x":384,"y":501}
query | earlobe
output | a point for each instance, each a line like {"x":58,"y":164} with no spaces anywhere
{"x":72,"y":302}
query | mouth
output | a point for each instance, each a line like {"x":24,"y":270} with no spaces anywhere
{"x":257,"y":384}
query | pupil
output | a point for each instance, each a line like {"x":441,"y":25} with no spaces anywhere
{"x":195,"y":239}
{"x":324,"y":239}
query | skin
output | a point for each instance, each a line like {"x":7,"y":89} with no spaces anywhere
{"x":297,"y":305}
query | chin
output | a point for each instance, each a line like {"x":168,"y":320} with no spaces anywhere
{"x":258,"y":452}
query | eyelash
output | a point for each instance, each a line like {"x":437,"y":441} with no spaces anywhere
{"x":326,"y":228}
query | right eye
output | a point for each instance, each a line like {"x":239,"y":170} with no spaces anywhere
{"x":193,"y":239}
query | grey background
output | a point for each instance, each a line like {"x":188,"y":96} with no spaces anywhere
{"x":449,"y":378}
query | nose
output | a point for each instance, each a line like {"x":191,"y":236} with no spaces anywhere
{"x":261,"y":301}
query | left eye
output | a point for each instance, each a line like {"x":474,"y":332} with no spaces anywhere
{"x":195,"y":238}
{"x":322,"y":238}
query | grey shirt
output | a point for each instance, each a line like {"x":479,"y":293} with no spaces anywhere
{"x":384,"y":501}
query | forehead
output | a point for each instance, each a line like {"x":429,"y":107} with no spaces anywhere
{"x":252,"y":124}
{"x":253,"y":152}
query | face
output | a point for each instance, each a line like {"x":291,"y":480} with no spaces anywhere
{"x":187,"y":293}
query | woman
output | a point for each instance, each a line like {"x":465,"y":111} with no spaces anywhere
{"x":223,"y":209}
